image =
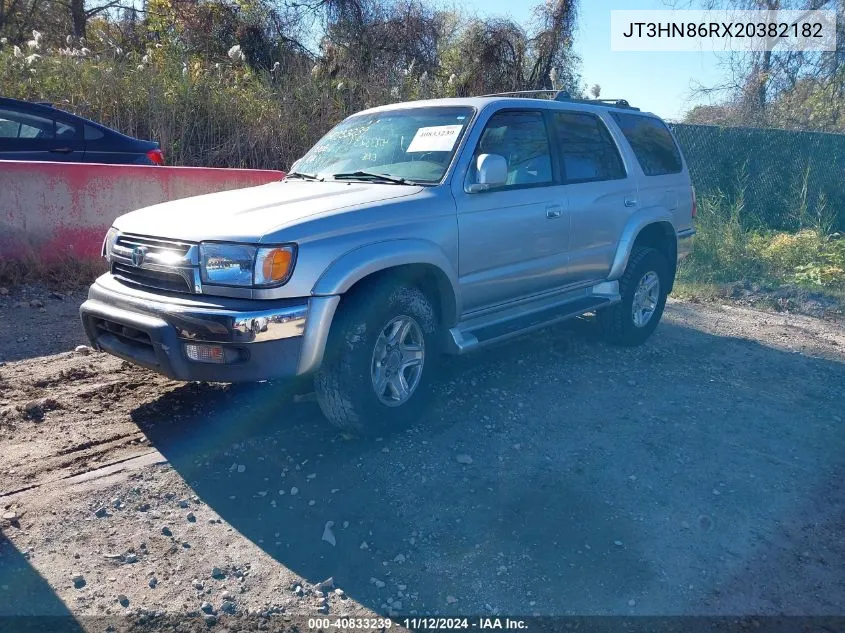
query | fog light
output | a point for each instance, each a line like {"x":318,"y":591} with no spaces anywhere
{"x":202,"y":353}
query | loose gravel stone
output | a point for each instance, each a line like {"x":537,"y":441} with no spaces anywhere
{"x":228,"y":607}
{"x":463,"y":459}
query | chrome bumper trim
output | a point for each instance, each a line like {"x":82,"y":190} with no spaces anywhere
{"x":196,"y":320}
{"x":269,"y":325}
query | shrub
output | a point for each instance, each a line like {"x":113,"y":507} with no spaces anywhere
{"x":726,"y":251}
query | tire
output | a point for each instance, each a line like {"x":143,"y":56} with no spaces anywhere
{"x":619,"y":323}
{"x":345,"y":384}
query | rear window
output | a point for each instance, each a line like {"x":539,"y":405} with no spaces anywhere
{"x":652,"y":143}
{"x":587,"y":151}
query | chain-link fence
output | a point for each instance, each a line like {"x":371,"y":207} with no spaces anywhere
{"x":787,"y":179}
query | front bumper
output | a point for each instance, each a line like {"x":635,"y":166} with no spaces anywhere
{"x":267,"y":339}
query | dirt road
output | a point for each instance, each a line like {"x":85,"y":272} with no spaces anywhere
{"x":699,"y":474}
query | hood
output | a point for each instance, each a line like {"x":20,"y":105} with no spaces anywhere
{"x":246,"y":215}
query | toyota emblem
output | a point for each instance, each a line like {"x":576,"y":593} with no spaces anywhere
{"x":138,"y":255}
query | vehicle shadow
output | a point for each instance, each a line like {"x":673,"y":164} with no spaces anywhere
{"x":27,"y":602}
{"x":585,"y":462}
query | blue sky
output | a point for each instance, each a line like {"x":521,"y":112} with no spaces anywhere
{"x":657,"y":82}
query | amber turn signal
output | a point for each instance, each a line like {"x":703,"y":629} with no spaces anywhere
{"x":275,"y":265}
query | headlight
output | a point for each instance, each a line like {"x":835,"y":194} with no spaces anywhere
{"x":245,"y":265}
{"x":109,"y":242}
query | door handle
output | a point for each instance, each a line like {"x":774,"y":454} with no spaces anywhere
{"x":62,"y":150}
{"x":630,"y":202}
{"x":553,"y":212}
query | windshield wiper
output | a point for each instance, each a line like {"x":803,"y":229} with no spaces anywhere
{"x":368,"y":175}
{"x":304,"y":176}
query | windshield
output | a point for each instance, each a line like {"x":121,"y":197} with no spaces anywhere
{"x":416,"y":145}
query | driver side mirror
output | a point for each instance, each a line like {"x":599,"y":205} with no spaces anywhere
{"x":491,"y":171}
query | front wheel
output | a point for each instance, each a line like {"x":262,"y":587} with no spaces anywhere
{"x":380,"y":360}
{"x":644,"y":288}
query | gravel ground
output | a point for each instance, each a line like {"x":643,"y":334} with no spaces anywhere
{"x":699,"y":474}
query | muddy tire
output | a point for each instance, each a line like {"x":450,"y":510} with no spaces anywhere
{"x":643,"y":288}
{"x":380,"y":359}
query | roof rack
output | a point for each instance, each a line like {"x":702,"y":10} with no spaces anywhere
{"x":562,"y":95}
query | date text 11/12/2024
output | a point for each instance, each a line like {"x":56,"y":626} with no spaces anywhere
{"x":420,"y":623}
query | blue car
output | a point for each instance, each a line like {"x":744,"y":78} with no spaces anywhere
{"x":39,"y":131}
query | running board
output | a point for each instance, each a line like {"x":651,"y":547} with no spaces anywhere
{"x":469,"y":336}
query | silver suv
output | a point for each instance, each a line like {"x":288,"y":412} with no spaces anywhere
{"x":408,"y":231}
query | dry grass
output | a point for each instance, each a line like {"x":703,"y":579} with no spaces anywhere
{"x":61,"y":275}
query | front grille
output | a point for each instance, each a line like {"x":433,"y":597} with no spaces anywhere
{"x":173,"y":282}
{"x":154,"y":244}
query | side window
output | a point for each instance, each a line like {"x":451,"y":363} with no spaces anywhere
{"x":17,"y":124}
{"x":520,"y":137}
{"x":92,"y":133}
{"x":65,"y":130}
{"x":652,"y":143}
{"x":587,"y":150}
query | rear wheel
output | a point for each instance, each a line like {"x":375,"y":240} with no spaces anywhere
{"x":380,"y":359}
{"x":643,"y":288}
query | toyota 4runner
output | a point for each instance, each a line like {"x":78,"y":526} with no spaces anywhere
{"x":408,"y":231}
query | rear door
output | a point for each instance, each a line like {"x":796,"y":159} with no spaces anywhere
{"x":38,"y":133}
{"x":599,"y":192}
{"x":665,"y":183}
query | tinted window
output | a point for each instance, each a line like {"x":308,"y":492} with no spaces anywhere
{"x":92,"y":133}
{"x":652,"y":143}
{"x":16,"y":124}
{"x":586,"y":148}
{"x":65,"y":130}
{"x":520,"y":137}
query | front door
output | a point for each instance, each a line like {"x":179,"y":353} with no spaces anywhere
{"x":38,"y":135}
{"x":513,"y":239}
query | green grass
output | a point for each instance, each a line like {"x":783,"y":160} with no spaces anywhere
{"x":726,"y":251}
{"x":730,"y":259}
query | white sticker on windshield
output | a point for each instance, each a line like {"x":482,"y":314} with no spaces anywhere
{"x":439,"y":138}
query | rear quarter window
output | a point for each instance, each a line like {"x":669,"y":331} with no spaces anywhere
{"x":652,"y":143}
{"x":92,"y":133}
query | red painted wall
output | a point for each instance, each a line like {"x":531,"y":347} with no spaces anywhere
{"x":53,"y":210}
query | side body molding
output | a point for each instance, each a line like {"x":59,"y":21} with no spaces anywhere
{"x":636,"y":223}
